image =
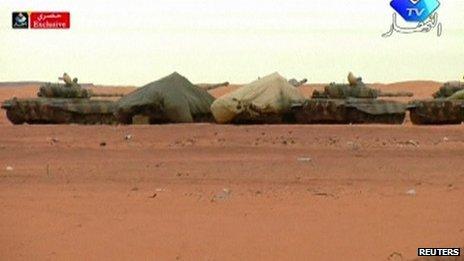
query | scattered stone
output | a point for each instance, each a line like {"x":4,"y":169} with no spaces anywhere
{"x":413,"y":143}
{"x":411,"y":192}
{"x":128,"y":137}
{"x":134,"y":189}
{"x":450,"y":186}
{"x":333,"y":140}
{"x":48,"y":171}
{"x":154,"y":195}
{"x":102,"y":144}
{"x":354,"y":146}
{"x":323,"y":194}
{"x":304,"y":159}
{"x":316,"y":192}
{"x":395,"y":256}
{"x":157,"y":165}
{"x":9,"y":168}
{"x":223,"y":195}
{"x":52,"y":140}
{"x":445,"y":139}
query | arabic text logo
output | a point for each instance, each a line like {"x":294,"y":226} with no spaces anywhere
{"x":50,"y":20}
{"x":421,"y":13}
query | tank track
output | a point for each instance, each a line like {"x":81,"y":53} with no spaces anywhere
{"x":60,"y":117}
{"x":316,"y":114}
{"x":437,"y":112}
{"x":419,"y":118}
{"x":359,"y":117}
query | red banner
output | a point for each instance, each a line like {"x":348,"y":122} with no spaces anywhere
{"x":50,"y":20}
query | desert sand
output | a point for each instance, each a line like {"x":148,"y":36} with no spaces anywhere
{"x":225,"y":192}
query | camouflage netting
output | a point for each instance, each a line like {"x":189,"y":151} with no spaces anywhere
{"x":170,"y":99}
{"x":270,"y":95}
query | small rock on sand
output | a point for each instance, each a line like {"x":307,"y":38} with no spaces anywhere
{"x":411,"y":192}
{"x":223,"y":195}
{"x":304,"y":159}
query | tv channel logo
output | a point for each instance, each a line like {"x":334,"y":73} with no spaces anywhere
{"x":20,"y":20}
{"x":421,"y":16}
{"x":415,"y":10}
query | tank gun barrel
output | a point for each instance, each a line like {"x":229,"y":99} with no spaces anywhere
{"x":207,"y":86}
{"x":297,"y":83}
{"x":106,"y":94}
{"x":394,"y":94}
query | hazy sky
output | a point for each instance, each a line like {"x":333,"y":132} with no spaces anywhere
{"x":138,"y":41}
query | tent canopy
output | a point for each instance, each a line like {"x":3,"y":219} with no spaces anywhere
{"x":269,"y":95}
{"x":171,"y":99}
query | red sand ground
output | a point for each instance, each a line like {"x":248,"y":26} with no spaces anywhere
{"x":213,"y":192}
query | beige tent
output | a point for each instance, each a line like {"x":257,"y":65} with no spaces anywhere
{"x":271,"y":95}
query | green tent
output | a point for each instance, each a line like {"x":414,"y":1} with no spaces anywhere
{"x":169,"y":99}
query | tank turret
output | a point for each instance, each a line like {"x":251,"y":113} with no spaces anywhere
{"x":75,"y":91}
{"x":448,"y":89}
{"x":358,"y":90}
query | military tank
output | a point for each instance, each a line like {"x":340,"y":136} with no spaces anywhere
{"x":446,"y":106}
{"x":350,"y":103}
{"x":61,"y":104}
